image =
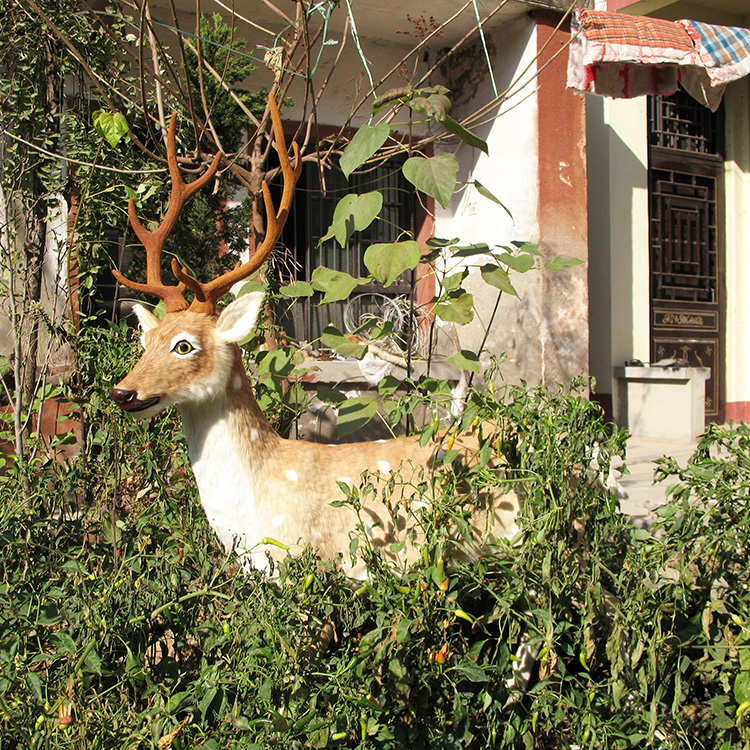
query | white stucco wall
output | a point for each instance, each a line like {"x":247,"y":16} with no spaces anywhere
{"x":510,"y":172}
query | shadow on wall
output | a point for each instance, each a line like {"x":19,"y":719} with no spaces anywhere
{"x":614,"y":174}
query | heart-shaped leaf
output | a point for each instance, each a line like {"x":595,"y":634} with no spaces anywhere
{"x":386,"y":262}
{"x":456,"y":309}
{"x":482,"y":190}
{"x":367,"y":140}
{"x":465,"y":135}
{"x":465,"y":360}
{"x":561,"y":262}
{"x":498,"y":277}
{"x":435,"y":176}
{"x":521,"y":263}
{"x":110,"y":126}
{"x":355,"y":413}
{"x":336,"y":285}
{"x":332,"y":338}
{"x":353,"y":213}
{"x":297,"y":289}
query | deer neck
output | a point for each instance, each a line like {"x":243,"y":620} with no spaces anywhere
{"x":229,"y":442}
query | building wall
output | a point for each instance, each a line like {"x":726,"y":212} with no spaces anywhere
{"x":618,"y":234}
{"x":618,"y":218}
{"x":536,"y":167}
{"x":737,"y":192}
{"x":510,"y":172}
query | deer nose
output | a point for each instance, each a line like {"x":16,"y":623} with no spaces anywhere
{"x":129,"y":401}
{"x":123,"y":397}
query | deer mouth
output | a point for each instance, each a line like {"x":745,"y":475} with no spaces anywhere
{"x":129,"y":401}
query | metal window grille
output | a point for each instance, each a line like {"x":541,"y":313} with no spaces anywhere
{"x":683,"y":237}
{"x":680,"y":122}
{"x":309,"y":220}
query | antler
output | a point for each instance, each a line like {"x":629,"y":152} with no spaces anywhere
{"x":154,"y":240}
{"x":208,"y":294}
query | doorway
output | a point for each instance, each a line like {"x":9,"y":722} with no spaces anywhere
{"x":686,"y":168}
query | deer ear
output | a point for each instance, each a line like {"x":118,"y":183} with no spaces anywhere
{"x":146,"y":319}
{"x":238,"y":319}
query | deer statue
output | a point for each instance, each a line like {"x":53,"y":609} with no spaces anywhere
{"x":262,"y":493}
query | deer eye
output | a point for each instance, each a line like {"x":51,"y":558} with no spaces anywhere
{"x":183,"y":347}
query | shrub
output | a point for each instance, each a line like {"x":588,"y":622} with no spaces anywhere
{"x":123,"y":624}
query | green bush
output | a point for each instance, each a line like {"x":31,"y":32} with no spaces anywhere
{"x":123,"y":624}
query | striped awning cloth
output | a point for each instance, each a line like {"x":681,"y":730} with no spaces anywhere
{"x":622,"y":56}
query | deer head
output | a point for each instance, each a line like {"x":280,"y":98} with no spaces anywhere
{"x":190,"y":354}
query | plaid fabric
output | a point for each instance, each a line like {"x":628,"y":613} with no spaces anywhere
{"x":723,"y":50}
{"x":648,"y":37}
{"x":624,"y":56}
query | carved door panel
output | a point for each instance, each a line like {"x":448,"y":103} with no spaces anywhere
{"x":687,"y":262}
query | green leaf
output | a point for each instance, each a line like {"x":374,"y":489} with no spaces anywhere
{"x":435,"y":176}
{"x":561,"y":262}
{"x":337,"y":285}
{"x":456,"y":310}
{"x":332,"y":338}
{"x":453,"y":282}
{"x":386,"y":262}
{"x":498,"y":277}
{"x":482,"y":190}
{"x":742,"y":680}
{"x":355,"y":413}
{"x":277,"y":363}
{"x":436,"y":105}
{"x":111,"y":127}
{"x":471,"y":672}
{"x":65,"y":643}
{"x":251,"y":286}
{"x":438,"y":242}
{"x":330,"y":395}
{"x":467,"y":251}
{"x":389,"y":385}
{"x":465,"y":360}
{"x":528,"y":247}
{"x":297,"y":289}
{"x":353,"y":213}
{"x":521,"y":263}
{"x":34,"y":684}
{"x":466,"y":136}
{"x":93,"y":663}
{"x":366,"y":142}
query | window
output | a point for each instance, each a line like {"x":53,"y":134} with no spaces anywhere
{"x":312,"y":213}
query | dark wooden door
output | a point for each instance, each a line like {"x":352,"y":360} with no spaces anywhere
{"x":686,"y":240}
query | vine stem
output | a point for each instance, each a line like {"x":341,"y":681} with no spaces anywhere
{"x":487,"y":330}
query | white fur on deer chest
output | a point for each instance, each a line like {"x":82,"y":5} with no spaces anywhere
{"x":227,"y":489}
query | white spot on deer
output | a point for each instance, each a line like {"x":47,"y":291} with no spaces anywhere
{"x":292,"y":475}
{"x":237,"y":382}
{"x":254,"y":435}
{"x":384,"y":466}
{"x":278,"y":521}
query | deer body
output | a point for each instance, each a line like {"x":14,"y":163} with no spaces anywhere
{"x":255,"y":485}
